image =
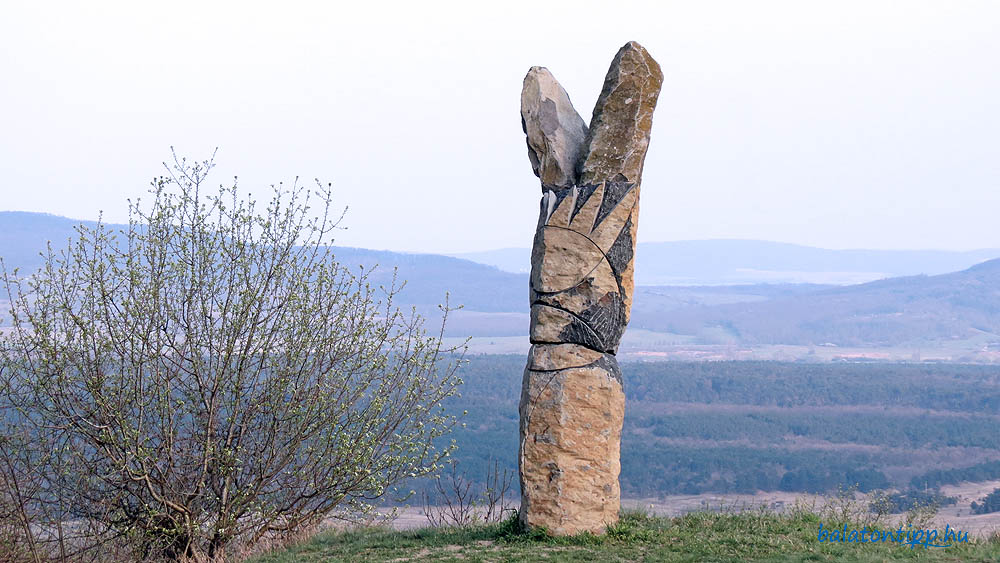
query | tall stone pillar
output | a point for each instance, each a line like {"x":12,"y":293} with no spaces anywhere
{"x":572,"y":400}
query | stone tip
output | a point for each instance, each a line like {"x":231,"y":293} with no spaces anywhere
{"x":623,"y":117}
{"x":653,"y":67}
{"x":633,"y":45}
{"x":536,"y":74}
{"x":555,"y":131}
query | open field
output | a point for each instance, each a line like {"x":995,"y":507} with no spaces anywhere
{"x":647,"y":345}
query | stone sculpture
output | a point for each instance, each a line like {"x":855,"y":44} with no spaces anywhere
{"x":572,"y":400}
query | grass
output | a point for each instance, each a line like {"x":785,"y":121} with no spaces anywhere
{"x":703,"y":536}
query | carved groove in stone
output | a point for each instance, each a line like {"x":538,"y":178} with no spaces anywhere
{"x":572,"y":401}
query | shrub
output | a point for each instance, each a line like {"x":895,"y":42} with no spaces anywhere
{"x":210,"y":376}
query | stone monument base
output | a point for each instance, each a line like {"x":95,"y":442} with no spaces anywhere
{"x":570,"y":435}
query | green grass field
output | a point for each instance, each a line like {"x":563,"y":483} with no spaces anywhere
{"x":748,"y":536}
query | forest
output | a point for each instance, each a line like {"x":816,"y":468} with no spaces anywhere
{"x":738,"y":427}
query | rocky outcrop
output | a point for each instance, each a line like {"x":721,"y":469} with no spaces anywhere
{"x":572,"y":401}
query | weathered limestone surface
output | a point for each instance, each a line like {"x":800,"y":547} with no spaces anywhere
{"x":572,"y":401}
{"x":556,"y":133}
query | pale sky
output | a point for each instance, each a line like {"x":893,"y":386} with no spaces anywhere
{"x":842,"y":124}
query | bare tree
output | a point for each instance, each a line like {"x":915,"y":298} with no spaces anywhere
{"x":456,"y":503}
{"x":211,"y":374}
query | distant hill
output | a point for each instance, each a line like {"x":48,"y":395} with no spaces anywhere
{"x":727,"y":262}
{"x":892,"y":312}
{"x":906,"y":310}
{"x":479,"y":287}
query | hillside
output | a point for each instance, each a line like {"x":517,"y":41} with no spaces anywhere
{"x":429,"y":276}
{"x":912,"y":311}
{"x":728,"y":262}
{"x":899,"y":311}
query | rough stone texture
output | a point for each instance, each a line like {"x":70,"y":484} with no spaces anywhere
{"x":556,"y":132}
{"x":568,"y":256}
{"x":549,"y":357}
{"x":571,"y":422}
{"x":592,"y":291}
{"x":623,"y":117}
{"x":582,"y":263}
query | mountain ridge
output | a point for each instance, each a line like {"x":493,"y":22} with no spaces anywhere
{"x":735,"y":261}
{"x":892,"y":312}
{"x":428,"y":276}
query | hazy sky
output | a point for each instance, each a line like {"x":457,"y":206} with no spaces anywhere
{"x":837,"y":124}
